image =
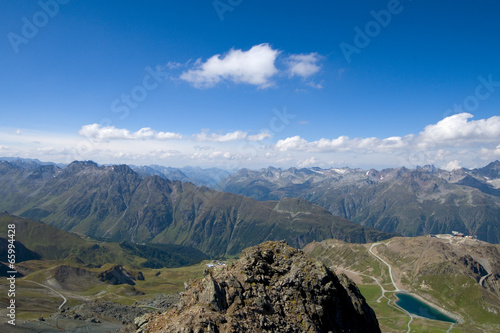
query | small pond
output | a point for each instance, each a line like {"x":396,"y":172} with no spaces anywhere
{"x":419,"y":308}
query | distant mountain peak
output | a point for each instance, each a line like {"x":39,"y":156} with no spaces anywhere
{"x":82,"y":164}
{"x":491,"y":171}
{"x":428,"y":168}
{"x":121,"y":168}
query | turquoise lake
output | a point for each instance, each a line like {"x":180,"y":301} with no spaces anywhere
{"x":416,"y":307}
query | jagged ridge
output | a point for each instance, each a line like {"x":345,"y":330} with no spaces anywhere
{"x":422,"y":201}
{"x":115,"y":203}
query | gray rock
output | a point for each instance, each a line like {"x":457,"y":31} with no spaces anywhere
{"x":271,"y":288}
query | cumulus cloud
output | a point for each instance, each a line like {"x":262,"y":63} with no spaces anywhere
{"x":458,"y":129}
{"x":255,"y":67}
{"x":213,"y":137}
{"x":342,"y":144}
{"x":303,"y":65}
{"x":97,"y":132}
{"x":452,"y":142}
{"x":292,"y":143}
{"x":452,"y":165}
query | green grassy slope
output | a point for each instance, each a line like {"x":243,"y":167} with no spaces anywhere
{"x":443,"y":271}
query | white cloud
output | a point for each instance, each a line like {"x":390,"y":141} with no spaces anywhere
{"x":452,"y":142}
{"x":259,"y":137}
{"x":311,"y":161}
{"x":255,"y":66}
{"x":96,"y":132}
{"x":293,"y":143}
{"x":454,"y":131}
{"x":458,"y":130}
{"x":231,"y":136}
{"x":452,"y":165}
{"x":303,"y":65}
{"x":340,"y":144}
{"x":167,"y":136}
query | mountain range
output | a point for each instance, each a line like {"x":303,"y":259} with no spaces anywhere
{"x":411,"y":202}
{"x":117,"y":204}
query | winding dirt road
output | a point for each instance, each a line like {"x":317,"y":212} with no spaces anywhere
{"x":387,"y":264}
{"x":55,"y":291}
{"x":396,"y":289}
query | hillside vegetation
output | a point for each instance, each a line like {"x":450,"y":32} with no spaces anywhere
{"x":115,"y":204}
{"x":458,"y":275}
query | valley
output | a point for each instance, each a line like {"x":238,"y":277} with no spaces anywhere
{"x":74,"y":282}
{"x":234,"y":166}
{"x":98,"y":246}
{"x":445,"y":273}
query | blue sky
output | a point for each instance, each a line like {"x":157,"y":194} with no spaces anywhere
{"x":240,"y":83}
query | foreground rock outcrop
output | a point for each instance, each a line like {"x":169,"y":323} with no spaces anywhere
{"x":271,"y":288}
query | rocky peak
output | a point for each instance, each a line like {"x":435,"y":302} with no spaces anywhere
{"x":117,"y":275}
{"x":121,"y":168}
{"x":77,"y":165}
{"x":271,"y":288}
{"x":44,"y":172}
{"x":491,"y":171}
